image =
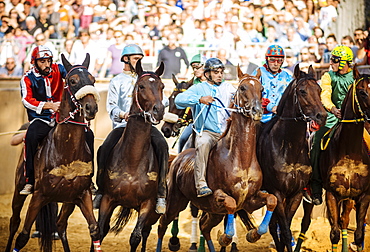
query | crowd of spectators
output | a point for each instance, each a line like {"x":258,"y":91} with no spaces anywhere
{"x":210,"y":27}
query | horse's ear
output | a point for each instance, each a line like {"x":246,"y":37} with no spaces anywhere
{"x":258,"y":75}
{"x":138,"y":68}
{"x":86,"y":62}
{"x":175,"y":80}
{"x":311,"y":72}
{"x":240,"y":73}
{"x":297,"y":72}
{"x":356,"y":73}
{"x":66,"y":64}
{"x":160,"y":69}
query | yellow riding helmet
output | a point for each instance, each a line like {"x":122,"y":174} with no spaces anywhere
{"x":344,"y":53}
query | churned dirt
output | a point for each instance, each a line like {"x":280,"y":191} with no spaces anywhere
{"x":79,"y":239}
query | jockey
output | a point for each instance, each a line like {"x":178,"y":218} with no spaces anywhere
{"x":197,"y":64}
{"x":210,"y":120}
{"x":273,"y":79}
{"x":41,"y":90}
{"x":119,"y":101}
{"x":334,"y":85}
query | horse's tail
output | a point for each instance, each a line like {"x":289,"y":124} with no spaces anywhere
{"x":247,"y":219}
{"x":46,"y":225}
{"x":121,"y":219}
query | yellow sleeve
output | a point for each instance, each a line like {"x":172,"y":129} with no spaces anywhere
{"x":326,"y":92}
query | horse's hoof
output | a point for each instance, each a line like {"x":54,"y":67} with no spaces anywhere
{"x":174,"y":244}
{"x":234,"y":248}
{"x":193,"y":248}
{"x":224,"y":240}
{"x":253,"y":236}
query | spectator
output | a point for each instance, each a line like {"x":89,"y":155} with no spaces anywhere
{"x":23,"y":42}
{"x":2,"y":9}
{"x":43,"y":22}
{"x":77,"y":10}
{"x":222,"y":55}
{"x":171,"y":55}
{"x":327,"y":15}
{"x":66,"y":21}
{"x":5,"y":27}
{"x":105,"y":10}
{"x":331,"y":43}
{"x":54,"y":19}
{"x":35,"y":8}
{"x":14,"y":4}
{"x":87,"y":14}
{"x":245,"y":65}
{"x":291,"y":61}
{"x":348,"y":41}
{"x":11,"y":69}
{"x":305,"y":59}
{"x":113,"y":65}
{"x":366,"y":59}
{"x":151,"y":27}
{"x":31,"y":27}
{"x":68,"y":44}
{"x":292,"y":40}
{"x":82,"y":46}
{"x":360,"y":44}
{"x":14,"y":18}
{"x":40,"y":39}
{"x":319,"y":34}
{"x":8,"y":48}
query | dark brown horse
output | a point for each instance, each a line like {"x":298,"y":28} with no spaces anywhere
{"x":63,"y":164}
{"x":283,"y":149}
{"x":234,"y":158}
{"x":176,"y":118}
{"x":131,"y":178}
{"x":344,"y":165}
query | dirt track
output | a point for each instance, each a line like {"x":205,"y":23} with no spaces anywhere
{"x":79,"y":240}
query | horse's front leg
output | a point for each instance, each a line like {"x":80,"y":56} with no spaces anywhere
{"x":106,"y":209}
{"x":86,"y":207}
{"x":362,"y":205}
{"x":344,"y":220}
{"x":333,"y":214}
{"x":65,"y":212}
{"x":256,"y":202}
{"x":33,"y":209}
{"x":306,"y":221}
{"x":150,"y":220}
{"x":206,"y":223}
{"x":15,"y":220}
{"x":146,"y":208}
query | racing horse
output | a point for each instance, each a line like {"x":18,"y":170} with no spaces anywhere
{"x":344,"y":165}
{"x":131,"y":174}
{"x":234,"y":157}
{"x":283,"y":149}
{"x":174,"y":120}
{"x":63,"y":164}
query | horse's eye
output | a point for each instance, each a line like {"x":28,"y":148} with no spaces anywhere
{"x":242,"y":88}
{"x":303,"y":92}
{"x":141,"y":87}
{"x":362,"y":93}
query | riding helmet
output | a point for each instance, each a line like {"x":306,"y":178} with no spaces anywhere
{"x":213,"y":64}
{"x":197,"y":58}
{"x":40,"y":52}
{"x":344,"y":53}
{"x":131,"y":49}
{"x":275,"y":51}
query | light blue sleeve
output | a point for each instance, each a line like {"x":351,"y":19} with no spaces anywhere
{"x":189,"y":98}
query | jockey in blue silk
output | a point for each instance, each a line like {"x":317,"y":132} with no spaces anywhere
{"x":274,"y":80}
{"x":207,"y":100}
{"x":119,"y":100}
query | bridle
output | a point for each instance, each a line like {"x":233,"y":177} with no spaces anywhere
{"x":303,"y":117}
{"x":182,"y":121}
{"x":78,"y":106}
{"x":146,"y":115}
{"x":236,"y":99}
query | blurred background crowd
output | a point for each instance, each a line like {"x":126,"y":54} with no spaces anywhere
{"x":235,"y":31}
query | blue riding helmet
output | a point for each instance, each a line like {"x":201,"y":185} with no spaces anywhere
{"x":131,"y":49}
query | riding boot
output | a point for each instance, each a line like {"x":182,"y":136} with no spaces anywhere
{"x":316,"y":180}
{"x":160,"y":147}
{"x":103,"y":154}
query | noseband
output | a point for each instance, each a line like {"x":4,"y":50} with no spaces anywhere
{"x":74,"y":99}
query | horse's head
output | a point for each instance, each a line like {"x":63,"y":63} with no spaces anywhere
{"x":301,"y":100}
{"x":176,"y":118}
{"x":79,"y":87}
{"x":148,"y":95}
{"x":247,"y":99}
{"x":361,"y":97}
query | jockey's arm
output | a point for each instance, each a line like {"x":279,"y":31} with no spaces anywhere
{"x":326,"y":92}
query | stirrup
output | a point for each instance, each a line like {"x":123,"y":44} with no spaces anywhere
{"x":204,"y":191}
